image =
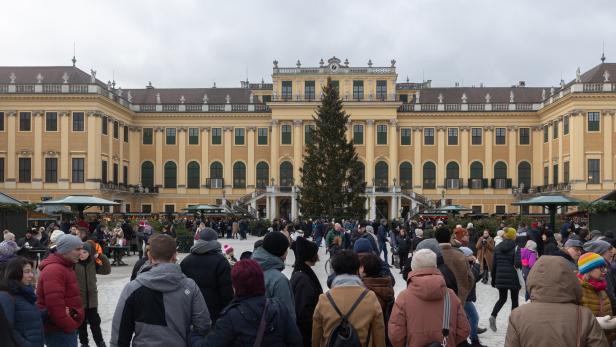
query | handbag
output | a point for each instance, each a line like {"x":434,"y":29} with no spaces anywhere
{"x":446,"y":312}
{"x":261,"y":330}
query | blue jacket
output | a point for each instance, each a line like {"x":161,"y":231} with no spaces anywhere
{"x":26,"y":319}
{"x":277,"y":285}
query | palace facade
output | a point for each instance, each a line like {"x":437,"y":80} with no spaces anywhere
{"x":63,"y":131}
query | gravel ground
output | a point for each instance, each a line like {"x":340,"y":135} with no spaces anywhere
{"x":110,"y":287}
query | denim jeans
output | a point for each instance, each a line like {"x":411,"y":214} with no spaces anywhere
{"x":473,"y":318}
{"x":383,"y":247}
{"x":61,"y":339}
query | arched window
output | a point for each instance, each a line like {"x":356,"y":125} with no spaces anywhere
{"x":429,"y":175}
{"x":524,"y":174}
{"x":286,"y":174}
{"x":406,"y":175}
{"x":171,"y":175}
{"x":239,"y":175}
{"x":476,"y":170}
{"x":147,"y":174}
{"x":381,"y":174}
{"x":262,"y":174}
{"x":216,"y":170}
{"x":500,"y":170}
{"x":361,"y":171}
{"x":453,"y":170}
{"x":193,"y":175}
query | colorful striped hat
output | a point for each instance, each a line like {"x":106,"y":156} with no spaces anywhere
{"x":590,"y":261}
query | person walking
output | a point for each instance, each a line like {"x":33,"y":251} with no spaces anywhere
{"x":528,"y":257}
{"x":504,"y":274}
{"x":348,"y":297}
{"x":382,"y":233}
{"x":404,"y":247}
{"x":58,"y":292}
{"x":456,"y":262}
{"x":86,"y":270}
{"x":553,"y":316}
{"x":210,"y":269}
{"x":306,"y":286}
{"x":469,"y":306}
{"x":161,"y":307}
{"x":485,"y":254}
{"x":427,"y":294}
{"x":251,"y":316}
{"x":18,"y":301}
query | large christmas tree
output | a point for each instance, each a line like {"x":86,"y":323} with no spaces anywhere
{"x":332,"y":175}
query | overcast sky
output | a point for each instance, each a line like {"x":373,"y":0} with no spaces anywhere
{"x":182,"y":43}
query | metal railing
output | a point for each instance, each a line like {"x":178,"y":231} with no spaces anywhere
{"x":453,"y":183}
{"x":214,"y":183}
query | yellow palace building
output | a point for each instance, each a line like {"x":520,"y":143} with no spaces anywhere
{"x":63,"y":131}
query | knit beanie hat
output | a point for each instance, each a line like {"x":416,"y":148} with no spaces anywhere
{"x":228,"y":249}
{"x":590,"y":261}
{"x":67,"y":243}
{"x":443,"y":235}
{"x":597,"y":246}
{"x":276,"y":243}
{"x":467,"y":251}
{"x":531,"y":245}
{"x":422,"y":259}
{"x":362,"y":245}
{"x":55,"y":235}
{"x":8,"y":248}
{"x":304,"y":249}
{"x":208,"y":234}
{"x":430,"y":244}
{"x":247,"y":279}
{"x":510,"y":233}
{"x":89,"y":248}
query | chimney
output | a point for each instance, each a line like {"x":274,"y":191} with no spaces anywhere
{"x":522,"y":84}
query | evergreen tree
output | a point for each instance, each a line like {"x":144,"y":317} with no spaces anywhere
{"x":332,"y":175}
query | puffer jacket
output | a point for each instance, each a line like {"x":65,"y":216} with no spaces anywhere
{"x":57,"y":290}
{"x":25,"y":318}
{"x":277,"y":285}
{"x":417,"y":316}
{"x":598,"y":302}
{"x":551,"y":316}
{"x":238,"y":324}
{"x":506,"y":259}
{"x":86,"y":272}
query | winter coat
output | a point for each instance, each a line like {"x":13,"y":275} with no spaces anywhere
{"x":210,"y":269}
{"x":56,"y":290}
{"x":277,"y":285}
{"x":306,"y":290}
{"x":485,"y":252}
{"x":472,"y":295}
{"x":404,"y":244}
{"x":159,"y":307}
{"x":238,"y":324}
{"x":24,"y":317}
{"x":382,"y":287}
{"x":506,"y":259}
{"x":367,"y":315}
{"x":528,"y":257}
{"x":86,"y":272}
{"x":473,"y":238}
{"x":417,"y":317}
{"x":331,"y":235}
{"x":458,"y":264}
{"x":550,"y":318}
{"x":382,"y":234}
{"x":597,"y":301}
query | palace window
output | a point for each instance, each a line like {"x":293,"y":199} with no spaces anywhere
{"x":500,"y":209}
{"x":239,"y":175}
{"x":594,"y":121}
{"x":116,"y":130}
{"x":170,"y":136}
{"x":78,"y":170}
{"x":126,"y":133}
{"x":566,"y":172}
{"x":524,"y":175}
{"x":193,"y":136}
{"x":381,"y":134}
{"x":25,"y":173}
{"x":594,"y":167}
{"x":193,"y":173}
{"x":406,"y":175}
{"x":429,"y":175}
{"x":105,"y":125}
{"x":148,"y":135}
{"x":565,"y":125}
{"x":169,"y":208}
{"x":25,"y":121}
{"x":51,"y":121}
{"x":524,"y":134}
{"x":546,"y":175}
{"x":216,"y":136}
{"x":78,"y":121}
{"x":147,"y":174}
{"x":555,"y":130}
{"x":545,"y":133}
{"x":170,"y":175}
{"x":146,"y":208}
{"x":358,"y":134}
{"x":287,"y":90}
{"x":240,"y":135}
{"x":104,"y":171}
{"x":115,"y":173}
{"x":555,"y":174}
{"x":358,"y":90}
{"x":309,"y":90}
{"x":262,"y":136}
{"x":405,"y":136}
{"x":500,"y":136}
{"x":285,"y":131}
{"x":51,"y":170}
{"x":476,"y":136}
{"x":1,"y":121}
{"x":452,"y":136}
{"x":428,"y":136}
{"x":381,"y":90}
{"x":1,"y":169}
{"x":125,"y":175}
{"x":262,"y":174}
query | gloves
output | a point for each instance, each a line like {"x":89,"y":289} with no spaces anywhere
{"x":607,"y":322}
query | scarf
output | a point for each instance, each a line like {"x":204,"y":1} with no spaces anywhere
{"x":346,"y":280}
{"x":26,"y":292}
{"x":597,"y":285}
{"x":303,"y":267}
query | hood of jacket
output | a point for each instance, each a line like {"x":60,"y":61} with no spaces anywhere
{"x":381,"y":286}
{"x":203,"y":247}
{"x":55,"y":258}
{"x":427,"y":284}
{"x":506,"y":245}
{"x":552,"y":280}
{"x":163,"y":277}
{"x":267,"y":260}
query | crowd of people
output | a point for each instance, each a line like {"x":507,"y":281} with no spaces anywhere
{"x":212,"y":298}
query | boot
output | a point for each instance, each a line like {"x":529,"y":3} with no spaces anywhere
{"x":481,"y":330}
{"x":476,"y":343}
{"x":493,"y":323}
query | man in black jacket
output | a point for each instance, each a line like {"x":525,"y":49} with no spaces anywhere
{"x":209,"y":268}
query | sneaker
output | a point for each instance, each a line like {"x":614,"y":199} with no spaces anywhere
{"x":493,"y":323}
{"x":481,"y":330}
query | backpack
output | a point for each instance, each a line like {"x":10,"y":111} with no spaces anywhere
{"x":344,"y":334}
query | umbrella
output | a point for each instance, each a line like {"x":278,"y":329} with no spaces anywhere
{"x":80,"y":202}
{"x":552,"y":202}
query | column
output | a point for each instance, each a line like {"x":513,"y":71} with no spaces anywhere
{"x":134,"y":156}
{"x":440,"y":165}
{"x":274,"y":146}
{"x":393,"y":151}
{"x":537,"y":167}
{"x":372,"y":207}
{"x":417,"y":144}
{"x":251,"y":169}
{"x":37,"y":177}
{"x":228,"y":166}
{"x":11,"y":165}
{"x":91,"y":174}
{"x":121,"y":155}
{"x":268,"y":211}
{"x":158,"y":172}
{"x":551,"y":153}
{"x":294,"y":204}
{"x":205,"y":164}
{"x":370,"y":152}
{"x":513,"y":142}
{"x":64,"y":152}
{"x":608,"y":157}
{"x":560,"y":150}
{"x":578,"y":158}
{"x":297,"y":150}
{"x":274,"y":213}
{"x":489,"y":142}
{"x":182,"y":158}
{"x":349,"y":130}
{"x":394,"y":208}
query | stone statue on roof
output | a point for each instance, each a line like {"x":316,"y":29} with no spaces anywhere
{"x":578,"y":76}
{"x":39,"y":78}
{"x":488,"y":98}
{"x":228,"y":99}
{"x":205,"y":99}
{"x":158,"y":98}
{"x":606,"y":76}
{"x":182,"y":99}
{"x":440,"y":98}
{"x":129,"y":97}
{"x":12,"y":77}
{"x":464,"y":98}
{"x":251,"y":98}
{"x":92,"y":76}
{"x":542,"y":94}
{"x":511,"y":98}
{"x":65,"y":77}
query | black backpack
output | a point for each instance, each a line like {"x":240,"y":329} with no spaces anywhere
{"x":344,"y":334}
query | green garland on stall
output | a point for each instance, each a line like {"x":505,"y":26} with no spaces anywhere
{"x":598,"y":207}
